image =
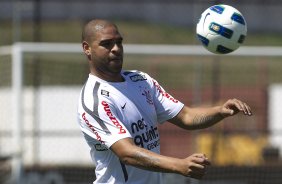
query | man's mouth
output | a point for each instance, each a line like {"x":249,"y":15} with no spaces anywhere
{"x":116,"y":59}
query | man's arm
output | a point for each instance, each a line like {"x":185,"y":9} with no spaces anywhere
{"x":200,"y":118}
{"x":130,"y":154}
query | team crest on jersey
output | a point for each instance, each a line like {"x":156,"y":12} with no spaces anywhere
{"x":105,"y":93}
{"x":147,"y":94}
{"x":138,"y":77}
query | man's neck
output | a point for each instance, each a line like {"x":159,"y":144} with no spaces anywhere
{"x":112,"y":77}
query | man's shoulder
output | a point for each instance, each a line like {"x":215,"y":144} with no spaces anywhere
{"x":131,"y":72}
{"x":135,"y":75}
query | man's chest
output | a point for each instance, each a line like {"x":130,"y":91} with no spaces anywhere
{"x":138,"y":114}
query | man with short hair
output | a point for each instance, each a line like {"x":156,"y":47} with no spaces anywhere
{"x":119,"y":111}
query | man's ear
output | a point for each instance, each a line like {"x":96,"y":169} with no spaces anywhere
{"x":86,"y":48}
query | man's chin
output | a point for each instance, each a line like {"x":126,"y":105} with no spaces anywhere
{"x":116,"y":67}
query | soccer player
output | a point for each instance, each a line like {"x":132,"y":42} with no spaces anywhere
{"x":119,"y":110}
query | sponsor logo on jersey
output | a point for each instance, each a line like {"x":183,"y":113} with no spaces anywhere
{"x":138,"y":77}
{"x":105,"y":93}
{"x":145,"y":136}
{"x":100,"y":147}
{"x":91,"y":127}
{"x":112,"y":117}
{"x":164,"y":93}
{"x":123,"y":107}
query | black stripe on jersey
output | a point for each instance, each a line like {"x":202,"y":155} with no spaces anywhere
{"x":94,"y":113}
{"x":95,"y":98}
{"x":126,"y":73}
{"x":125,"y":174}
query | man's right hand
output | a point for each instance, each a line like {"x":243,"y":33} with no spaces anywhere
{"x":193,"y":166}
{"x":196,"y":165}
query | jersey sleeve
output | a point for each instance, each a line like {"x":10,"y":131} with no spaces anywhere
{"x":166,"y":105}
{"x":101,"y":122}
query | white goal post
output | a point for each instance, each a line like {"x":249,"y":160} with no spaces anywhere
{"x":17,"y":50}
{"x":32,"y":47}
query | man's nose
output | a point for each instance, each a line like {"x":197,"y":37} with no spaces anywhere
{"x":116,"y":47}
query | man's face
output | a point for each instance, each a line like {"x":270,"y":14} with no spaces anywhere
{"x":107,"y":50}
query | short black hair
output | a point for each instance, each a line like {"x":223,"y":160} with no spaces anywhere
{"x":92,"y":27}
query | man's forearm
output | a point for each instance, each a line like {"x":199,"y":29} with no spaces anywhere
{"x":201,"y":121}
{"x":197,"y":118}
{"x":148,"y":160}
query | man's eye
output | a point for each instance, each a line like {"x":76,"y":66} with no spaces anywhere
{"x":106,"y":44}
{"x":110,"y":44}
{"x":119,"y":42}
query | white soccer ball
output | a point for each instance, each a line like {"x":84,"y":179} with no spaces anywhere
{"x":221,"y":29}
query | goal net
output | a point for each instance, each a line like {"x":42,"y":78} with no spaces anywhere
{"x":40,"y":84}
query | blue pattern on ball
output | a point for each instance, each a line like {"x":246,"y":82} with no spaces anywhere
{"x":217,"y":8}
{"x":238,"y":18}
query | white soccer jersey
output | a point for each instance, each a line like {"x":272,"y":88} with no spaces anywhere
{"x":110,"y":111}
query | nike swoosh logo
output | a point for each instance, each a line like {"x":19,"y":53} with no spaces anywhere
{"x":123,"y":106}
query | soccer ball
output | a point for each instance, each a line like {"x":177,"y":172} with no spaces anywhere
{"x":221,"y":29}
